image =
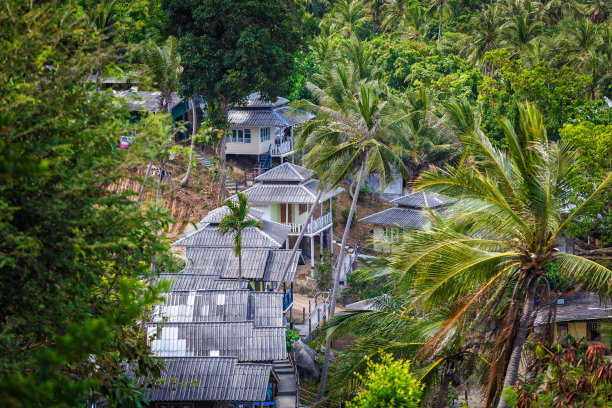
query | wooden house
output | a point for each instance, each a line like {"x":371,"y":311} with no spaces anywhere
{"x":260,"y":127}
{"x":408,"y":213}
{"x":285,"y":195}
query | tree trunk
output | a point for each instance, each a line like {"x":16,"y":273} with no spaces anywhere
{"x":440,"y":22}
{"x":144,"y":181}
{"x":339,"y":265}
{"x":221,"y":153}
{"x":185,"y":179}
{"x":519,"y":341}
{"x":299,"y":240}
{"x":240,"y":268}
{"x":441,"y":395}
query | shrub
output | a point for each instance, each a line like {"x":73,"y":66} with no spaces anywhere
{"x":345,"y":215}
{"x":388,"y":384}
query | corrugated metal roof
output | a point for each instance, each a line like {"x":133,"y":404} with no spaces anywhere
{"x":420,"y":199}
{"x":306,"y":193}
{"x":277,"y":231}
{"x":578,"y":307}
{"x":209,"y":237}
{"x":286,"y":172}
{"x":255,"y":118}
{"x":397,"y":217}
{"x":225,"y":339}
{"x":222,"y":261}
{"x":266,"y":309}
{"x":277,"y":260}
{"x":203,"y":306}
{"x":193,"y":279}
{"x":211,"y":379}
{"x":215,"y":216}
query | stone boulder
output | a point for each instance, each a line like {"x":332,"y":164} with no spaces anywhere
{"x":307,"y":365}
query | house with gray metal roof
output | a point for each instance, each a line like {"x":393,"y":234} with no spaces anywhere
{"x":259,"y":127}
{"x":408,"y":213}
{"x":285,"y":194}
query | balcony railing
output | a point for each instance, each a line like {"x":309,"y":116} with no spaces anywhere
{"x":282,"y":148}
{"x":314,"y":225}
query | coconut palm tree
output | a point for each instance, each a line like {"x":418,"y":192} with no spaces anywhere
{"x":357,"y":129}
{"x":439,"y":7}
{"x":416,"y":24}
{"x":194,"y":122}
{"x":235,"y":222}
{"x":513,"y":205}
{"x":347,"y":15}
{"x":162,"y":66}
{"x":486,"y":34}
{"x":393,"y":15}
{"x":519,"y":31}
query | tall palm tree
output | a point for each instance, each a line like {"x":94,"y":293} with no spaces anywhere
{"x":416,"y":24}
{"x":347,"y":15}
{"x":357,"y":129}
{"x":393,"y":15}
{"x":513,"y":205}
{"x":235,"y":222}
{"x":162,"y":66}
{"x":486,"y":34}
{"x":439,"y":7}
{"x":519,"y":31}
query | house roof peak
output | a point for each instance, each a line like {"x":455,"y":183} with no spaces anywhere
{"x":419,"y":199}
{"x":286,"y":172}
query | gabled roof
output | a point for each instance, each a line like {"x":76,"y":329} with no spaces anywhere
{"x":420,"y":199}
{"x":257,"y":263}
{"x":305,"y":193}
{"x":255,"y":112}
{"x":264,"y":309}
{"x":225,"y":339}
{"x":255,"y":118}
{"x":292,"y":116}
{"x":192,"y":281}
{"x":211,"y":379}
{"x":209,"y":237}
{"x":397,"y":217}
{"x":285,"y":172}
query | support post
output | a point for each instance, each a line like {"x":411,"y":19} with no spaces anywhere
{"x":309,"y":307}
{"x":291,"y":317}
{"x":331,"y":230}
{"x":304,"y":314}
{"x":312,"y":264}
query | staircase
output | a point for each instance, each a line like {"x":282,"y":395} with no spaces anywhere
{"x":204,"y":159}
{"x":262,"y":164}
{"x":287,"y":396}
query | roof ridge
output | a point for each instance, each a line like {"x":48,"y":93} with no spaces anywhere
{"x":279,"y":117}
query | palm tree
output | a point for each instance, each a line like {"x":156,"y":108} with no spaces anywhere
{"x":162,"y":65}
{"x":487,"y":27}
{"x":393,"y":15}
{"x":235,"y":222}
{"x":357,"y":129}
{"x":194,"y":122}
{"x":102,"y":19}
{"x":519,"y":31}
{"x":415,"y":26}
{"x":512,"y":205}
{"x":346,"y":15}
{"x":438,"y":6}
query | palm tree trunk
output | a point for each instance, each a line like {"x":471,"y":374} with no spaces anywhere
{"x":440,"y":22}
{"x":144,"y":181}
{"x":221,"y":153}
{"x":299,"y":240}
{"x":185,"y":179}
{"x":441,"y":395}
{"x":339,"y":265}
{"x":240,"y":267}
{"x":519,"y":341}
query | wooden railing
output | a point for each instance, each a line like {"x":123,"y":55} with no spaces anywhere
{"x":314,"y":225}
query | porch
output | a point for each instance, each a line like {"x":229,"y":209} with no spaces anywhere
{"x":282,"y":148}
{"x":315,"y":226}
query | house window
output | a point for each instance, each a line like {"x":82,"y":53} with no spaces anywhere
{"x":264,"y":134}
{"x":593,"y":331}
{"x":303,"y":208}
{"x":239,"y":136}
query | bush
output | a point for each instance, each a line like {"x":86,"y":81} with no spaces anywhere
{"x":345,"y":214}
{"x":289,"y":336}
{"x":388,"y":384}
{"x":323,"y":272}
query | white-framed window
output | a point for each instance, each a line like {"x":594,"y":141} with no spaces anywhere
{"x":264,"y":134}
{"x":239,"y":136}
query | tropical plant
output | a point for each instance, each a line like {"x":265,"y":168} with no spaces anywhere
{"x":511,"y":205}
{"x":394,"y":15}
{"x":486,"y":34}
{"x":439,"y":7}
{"x":235,"y":222}
{"x":346,"y":16}
{"x":102,"y":19}
{"x":357,"y":129}
{"x":519,"y":32}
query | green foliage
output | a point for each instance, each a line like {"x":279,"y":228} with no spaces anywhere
{"x":231,"y":48}
{"x":577,"y":376}
{"x":291,"y":335}
{"x":388,"y":384}
{"x":345,"y":214}
{"x":323,"y":272}
{"x":593,"y":143}
{"x":304,"y":67}
{"x":74,"y":256}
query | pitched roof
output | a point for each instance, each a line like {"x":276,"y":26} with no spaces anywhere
{"x":420,"y":199}
{"x":306,"y":193}
{"x":285,"y":172}
{"x":211,"y":379}
{"x":397,"y":217}
{"x":226,"y":339}
{"x":255,"y":118}
{"x":578,"y":307}
{"x":209,"y":237}
{"x":215,"y":216}
{"x":264,"y":309}
{"x":192,"y":281}
{"x":292,"y":116}
{"x":257,"y":263}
